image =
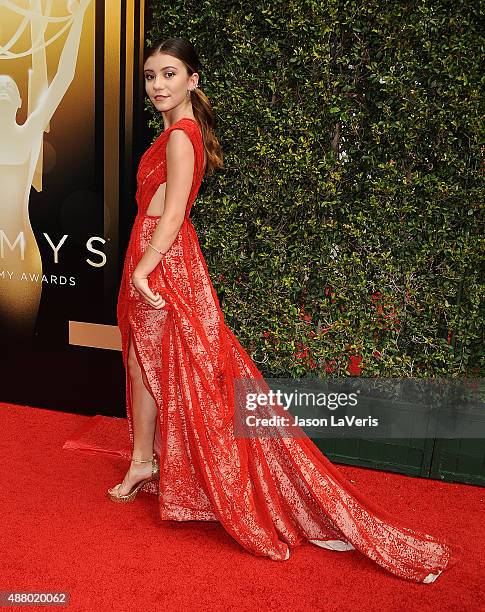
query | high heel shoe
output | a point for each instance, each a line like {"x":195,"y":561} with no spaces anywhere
{"x":132,"y":494}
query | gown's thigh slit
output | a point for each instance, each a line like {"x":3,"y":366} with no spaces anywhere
{"x":132,"y":339}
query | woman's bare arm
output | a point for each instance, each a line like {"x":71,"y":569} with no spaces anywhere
{"x":180,"y":171}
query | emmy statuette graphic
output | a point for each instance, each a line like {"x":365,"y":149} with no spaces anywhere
{"x":21,"y":147}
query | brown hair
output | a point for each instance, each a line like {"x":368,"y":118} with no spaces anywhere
{"x":183,"y":50}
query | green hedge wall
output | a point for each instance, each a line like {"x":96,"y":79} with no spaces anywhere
{"x":343,"y":235}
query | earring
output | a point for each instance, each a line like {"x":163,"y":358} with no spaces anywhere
{"x":189,"y":91}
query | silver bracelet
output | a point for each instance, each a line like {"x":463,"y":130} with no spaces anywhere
{"x":155,"y":249}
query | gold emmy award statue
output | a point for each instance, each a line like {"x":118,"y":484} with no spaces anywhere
{"x":21,"y":149}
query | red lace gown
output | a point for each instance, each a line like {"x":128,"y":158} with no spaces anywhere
{"x":270,"y":493}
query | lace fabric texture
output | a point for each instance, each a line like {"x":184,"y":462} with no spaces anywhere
{"x":270,"y":494}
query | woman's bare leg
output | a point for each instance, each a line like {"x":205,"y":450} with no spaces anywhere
{"x":144,"y":412}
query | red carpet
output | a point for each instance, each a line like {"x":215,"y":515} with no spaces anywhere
{"x":60,"y":532}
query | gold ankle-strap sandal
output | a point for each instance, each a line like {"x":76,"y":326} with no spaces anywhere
{"x":112,"y":494}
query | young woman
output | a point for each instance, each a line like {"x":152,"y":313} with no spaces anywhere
{"x":270,"y":493}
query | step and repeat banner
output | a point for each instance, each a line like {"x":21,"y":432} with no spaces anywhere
{"x":70,"y":95}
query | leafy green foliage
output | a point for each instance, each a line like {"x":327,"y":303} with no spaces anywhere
{"x":346,"y":223}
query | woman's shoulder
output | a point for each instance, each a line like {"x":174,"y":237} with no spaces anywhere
{"x":187,"y":124}
{"x":191,"y":129}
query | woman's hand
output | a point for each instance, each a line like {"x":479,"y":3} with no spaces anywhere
{"x":141,"y":285}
